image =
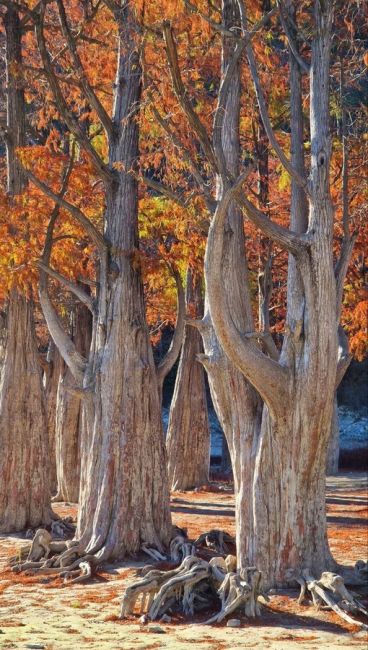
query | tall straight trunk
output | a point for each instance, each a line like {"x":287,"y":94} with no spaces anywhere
{"x":51,"y":382}
{"x":124,"y":496}
{"x":24,"y":464}
{"x":24,"y":461}
{"x":68,"y":416}
{"x":188,"y":435}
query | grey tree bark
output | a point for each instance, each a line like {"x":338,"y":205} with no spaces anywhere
{"x":333,"y":449}
{"x":24,"y":462}
{"x":68,"y":414}
{"x":124,"y":496}
{"x":188,"y":434}
{"x":52,"y":369}
{"x":287,"y":530}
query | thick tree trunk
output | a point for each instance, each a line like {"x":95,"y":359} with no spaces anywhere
{"x":24,"y":461}
{"x":188,"y":435}
{"x":69,"y":405}
{"x":124,"y":499}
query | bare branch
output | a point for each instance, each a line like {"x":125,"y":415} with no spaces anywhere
{"x":267,"y":376}
{"x":163,"y":189}
{"x":171,"y":356}
{"x":84,"y":297}
{"x":263,"y":108}
{"x":89,"y":92}
{"x":286,"y":239}
{"x":65,"y":345}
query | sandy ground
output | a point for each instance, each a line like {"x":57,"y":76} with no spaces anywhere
{"x":41,"y":613}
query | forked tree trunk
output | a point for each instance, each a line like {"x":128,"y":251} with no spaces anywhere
{"x":69,"y":421}
{"x":24,"y":461}
{"x":286,"y":530}
{"x":188,"y":434}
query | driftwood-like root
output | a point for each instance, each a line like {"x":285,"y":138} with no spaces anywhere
{"x":329,"y":591}
{"x":193,"y":586}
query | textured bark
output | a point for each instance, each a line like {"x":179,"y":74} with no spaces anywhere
{"x":51,"y":382}
{"x":188,"y":435}
{"x":24,"y":462}
{"x":237,"y":404}
{"x":124,"y":496}
{"x":124,"y":499}
{"x":286,"y":525}
{"x":69,"y":405}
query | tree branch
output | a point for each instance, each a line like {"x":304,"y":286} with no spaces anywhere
{"x":171,"y":355}
{"x":269,"y":378}
{"x":303,"y":65}
{"x":90,"y":229}
{"x":183,"y":97}
{"x":89,"y":92}
{"x":65,"y":345}
{"x":263,"y":108}
{"x":71,"y":286}
{"x":286,"y":239}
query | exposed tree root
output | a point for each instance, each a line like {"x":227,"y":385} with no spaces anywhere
{"x":330,"y":592}
{"x":193,"y":586}
{"x":217,"y":540}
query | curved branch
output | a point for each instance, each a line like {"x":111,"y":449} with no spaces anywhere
{"x":303,"y":65}
{"x":71,"y":286}
{"x":263,"y":108}
{"x":269,"y":378}
{"x":286,"y":239}
{"x":65,"y":345}
{"x":171,"y":355}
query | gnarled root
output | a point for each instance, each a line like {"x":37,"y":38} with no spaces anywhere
{"x":330,"y":591}
{"x":240,"y":589}
{"x":193,"y":585}
{"x":180,"y":548}
{"x":46,"y":556}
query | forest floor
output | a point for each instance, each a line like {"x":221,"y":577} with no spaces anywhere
{"x":40,"y":612}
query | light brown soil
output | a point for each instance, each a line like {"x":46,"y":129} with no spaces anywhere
{"x":41,"y":611}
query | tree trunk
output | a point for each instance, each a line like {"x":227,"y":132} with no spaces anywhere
{"x":51,"y":382}
{"x":124,"y":498}
{"x":69,"y":420}
{"x":333,"y":449}
{"x":188,"y":436}
{"x":238,"y":405}
{"x":24,"y":462}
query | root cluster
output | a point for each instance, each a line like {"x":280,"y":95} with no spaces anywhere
{"x":48,"y":556}
{"x":194,"y":586}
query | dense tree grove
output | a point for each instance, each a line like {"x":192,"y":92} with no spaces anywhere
{"x":193,"y":167}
